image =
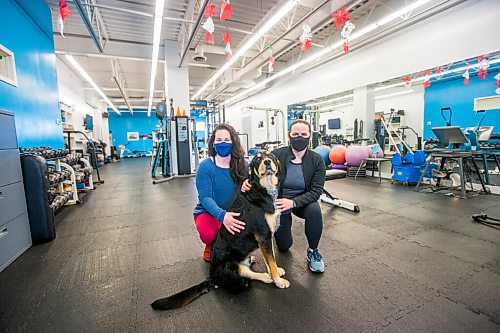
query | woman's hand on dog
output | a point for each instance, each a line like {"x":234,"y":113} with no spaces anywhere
{"x":245,"y":187}
{"x":284,"y":204}
{"x":233,"y":225}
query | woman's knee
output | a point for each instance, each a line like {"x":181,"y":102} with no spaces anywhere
{"x":208,"y":228}
{"x":313,"y":211}
{"x":284,"y":246}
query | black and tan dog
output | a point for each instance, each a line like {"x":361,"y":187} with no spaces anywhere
{"x":230,"y":263}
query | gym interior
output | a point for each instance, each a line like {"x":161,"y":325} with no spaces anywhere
{"x":106,"y":110}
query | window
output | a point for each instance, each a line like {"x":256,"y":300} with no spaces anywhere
{"x":7,"y":66}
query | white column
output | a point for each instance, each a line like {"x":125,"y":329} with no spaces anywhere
{"x":177,"y":88}
{"x":364,"y":109}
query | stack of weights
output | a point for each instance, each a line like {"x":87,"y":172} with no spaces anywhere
{"x":82,"y":173}
{"x":45,"y":152}
{"x":72,"y":159}
{"x":60,"y":200}
{"x":55,"y":177}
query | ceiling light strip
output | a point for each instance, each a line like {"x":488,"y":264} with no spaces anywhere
{"x":252,"y":40}
{"x":156,"y":49}
{"x":84,"y":74}
{"x":330,"y":48}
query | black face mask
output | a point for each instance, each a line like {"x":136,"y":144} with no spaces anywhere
{"x":299,"y":143}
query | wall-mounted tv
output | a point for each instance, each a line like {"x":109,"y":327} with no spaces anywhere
{"x":89,"y":123}
{"x":334,"y":123}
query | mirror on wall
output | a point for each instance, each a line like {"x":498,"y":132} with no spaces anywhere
{"x":412,"y":105}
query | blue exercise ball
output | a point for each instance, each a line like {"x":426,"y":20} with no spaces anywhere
{"x":324,"y":151}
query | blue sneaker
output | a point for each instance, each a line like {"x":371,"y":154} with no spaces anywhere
{"x":316,"y":263}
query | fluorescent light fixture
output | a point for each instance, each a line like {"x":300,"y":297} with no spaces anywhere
{"x":395,"y":94}
{"x":253,"y":39}
{"x":363,"y":31}
{"x":328,"y":101}
{"x":156,"y":49}
{"x":333,"y":107}
{"x":84,"y":74}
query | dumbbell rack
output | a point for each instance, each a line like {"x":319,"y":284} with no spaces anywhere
{"x":61,"y":196}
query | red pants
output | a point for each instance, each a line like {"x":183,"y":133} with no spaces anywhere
{"x":208,"y":227}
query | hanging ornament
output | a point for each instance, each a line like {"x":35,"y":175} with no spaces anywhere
{"x":272,"y":60}
{"x":209,"y":27}
{"x":497,"y":84}
{"x":226,"y":38}
{"x":64,"y":10}
{"x":346,"y":33}
{"x":210,"y":10}
{"x":64,"y":13}
{"x":226,"y":10}
{"x":407,"y":81}
{"x":466,"y":75}
{"x":439,"y":69}
{"x":305,"y":38}
{"x":60,"y":25}
{"x":483,"y":64}
{"x":427,"y":79}
{"x":341,"y":17}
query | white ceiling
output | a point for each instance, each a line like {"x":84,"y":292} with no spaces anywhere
{"x":127,"y":29}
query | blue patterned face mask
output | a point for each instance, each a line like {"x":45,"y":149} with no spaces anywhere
{"x":223,"y":148}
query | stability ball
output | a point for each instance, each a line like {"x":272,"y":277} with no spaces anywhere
{"x":323,"y":151}
{"x":337,"y":154}
{"x":355,"y":154}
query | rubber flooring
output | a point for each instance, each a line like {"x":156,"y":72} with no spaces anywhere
{"x":408,"y":262}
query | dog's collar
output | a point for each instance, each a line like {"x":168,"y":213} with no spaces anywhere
{"x":273,"y":193}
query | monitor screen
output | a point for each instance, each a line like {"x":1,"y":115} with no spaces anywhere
{"x":449,"y":134}
{"x":89,"y":123}
{"x":334,"y":123}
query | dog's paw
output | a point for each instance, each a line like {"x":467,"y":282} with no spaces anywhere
{"x":281,"y":271}
{"x":282,"y":283}
{"x":267,"y":278}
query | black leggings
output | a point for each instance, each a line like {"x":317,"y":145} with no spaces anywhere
{"x":313,"y":225}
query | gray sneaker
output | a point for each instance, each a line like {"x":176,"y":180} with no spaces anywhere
{"x":316,"y":263}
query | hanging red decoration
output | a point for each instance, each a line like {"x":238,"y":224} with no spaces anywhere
{"x":482,"y":74}
{"x":346,"y":33}
{"x":226,"y":10}
{"x":272,"y":60}
{"x":407,"y":81}
{"x":427,"y":79}
{"x":64,"y":9}
{"x":210,"y":10}
{"x":346,"y":46}
{"x":209,"y":38}
{"x":341,"y":17}
{"x":483,"y":64}
{"x":305,"y":38}
{"x":226,"y":38}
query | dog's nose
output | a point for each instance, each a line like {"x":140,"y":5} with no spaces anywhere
{"x":267,"y":162}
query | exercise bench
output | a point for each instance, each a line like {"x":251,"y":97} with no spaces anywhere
{"x":326,"y":197}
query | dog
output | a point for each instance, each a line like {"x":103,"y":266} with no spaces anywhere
{"x":230,"y":258}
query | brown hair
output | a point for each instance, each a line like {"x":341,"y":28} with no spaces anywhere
{"x":300,"y":121}
{"x":237,"y":164}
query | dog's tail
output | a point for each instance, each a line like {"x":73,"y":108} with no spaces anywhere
{"x":182,"y":298}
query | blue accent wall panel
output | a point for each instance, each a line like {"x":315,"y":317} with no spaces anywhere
{"x":27,"y":31}
{"x":460,"y":98}
{"x":137,"y":122}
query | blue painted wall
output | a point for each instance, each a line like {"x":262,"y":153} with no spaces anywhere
{"x":460,"y":98}
{"x":27,"y":31}
{"x":138,"y":122}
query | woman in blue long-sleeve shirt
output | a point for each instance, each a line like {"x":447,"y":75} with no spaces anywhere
{"x":218,"y":181}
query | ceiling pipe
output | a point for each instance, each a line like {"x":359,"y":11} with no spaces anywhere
{"x":84,"y":15}
{"x":193,"y":32}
